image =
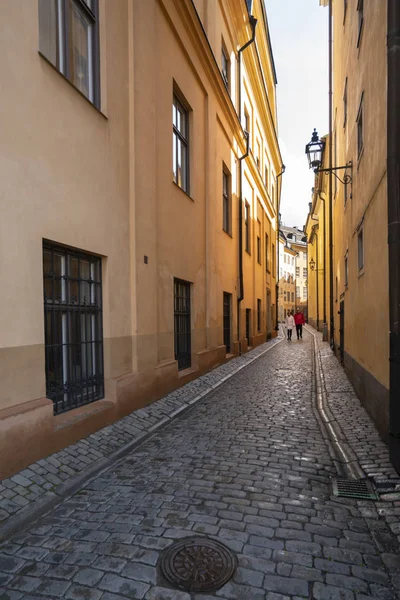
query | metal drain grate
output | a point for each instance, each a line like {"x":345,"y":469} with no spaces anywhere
{"x":354,"y":488}
{"x":198,"y":564}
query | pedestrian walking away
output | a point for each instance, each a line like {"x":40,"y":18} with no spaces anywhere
{"x":299,"y":321}
{"x":289,"y":325}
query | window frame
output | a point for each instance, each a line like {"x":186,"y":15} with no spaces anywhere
{"x":226,"y":200}
{"x":267,"y":265}
{"x":225,"y":66}
{"x":360,"y":250}
{"x":345,"y":105}
{"x":64,"y":48}
{"x":360,"y":127}
{"x":259,"y":308}
{"x":247,"y":236}
{"x":346,"y":269}
{"x":178,"y":102}
{"x":360,"y":12}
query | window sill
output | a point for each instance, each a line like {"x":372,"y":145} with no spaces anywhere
{"x":96,"y":108}
{"x":183,"y":191}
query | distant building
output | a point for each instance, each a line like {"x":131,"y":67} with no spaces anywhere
{"x":287,"y":286}
{"x":297,"y":240}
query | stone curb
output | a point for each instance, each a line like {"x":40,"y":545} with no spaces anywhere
{"x":345,"y":459}
{"x":33,"y":511}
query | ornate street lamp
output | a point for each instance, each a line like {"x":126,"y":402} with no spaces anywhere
{"x":315,"y":152}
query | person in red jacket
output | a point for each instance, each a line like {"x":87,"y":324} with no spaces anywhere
{"x":299,"y":320}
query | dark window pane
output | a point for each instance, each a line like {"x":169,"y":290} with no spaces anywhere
{"x":48,"y":33}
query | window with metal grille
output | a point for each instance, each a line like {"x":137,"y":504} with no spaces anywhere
{"x":258,"y":314}
{"x":69,"y":39}
{"x":182,"y":324}
{"x":227,"y":321}
{"x":180,"y":144}
{"x":73,"y":327}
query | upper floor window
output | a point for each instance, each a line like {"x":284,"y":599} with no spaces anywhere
{"x":247,"y":226}
{"x":360,"y":245}
{"x":180,"y":144}
{"x":346,"y":269}
{"x":345,"y":104}
{"x":297,"y":291}
{"x":344,"y":10}
{"x":226,"y":200}
{"x":267,"y":266}
{"x":259,"y":250}
{"x":273,"y":260}
{"x":304,"y":271}
{"x":297,"y":271}
{"x":360,"y":12}
{"x":265,"y":173}
{"x":304,"y":293}
{"x":258,"y":154}
{"x":360,"y":127}
{"x":225,"y":64}
{"x":69,"y":39}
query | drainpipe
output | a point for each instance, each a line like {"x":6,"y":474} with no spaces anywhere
{"x":283,"y":169}
{"x":253,"y":23}
{"x":324,"y":325}
{"x":393,"y":184}
{"x":332,"y":320}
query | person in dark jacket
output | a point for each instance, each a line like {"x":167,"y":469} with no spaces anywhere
{"x":299,"y":320}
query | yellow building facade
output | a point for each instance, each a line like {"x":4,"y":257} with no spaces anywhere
{"x":360,"y":275}
{"x":139,"y":173}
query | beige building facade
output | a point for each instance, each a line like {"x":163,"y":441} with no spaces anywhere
{"x":139,"y":207}
{"x":298,"y":242}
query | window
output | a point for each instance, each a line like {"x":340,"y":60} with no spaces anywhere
{"x":297,"y":271}
{"x":247,"y":226}
{"x":225,"y":67}
{"x":292,"y":261}
{"x":227,"y":299}
{"x":180,"y":144}
{"x":266,"y":252}
{"x":69,"y":39}
{"x":360,"y":245}
{"x":304,"y":272}
{"x":182,"y":324}
{"x":344,"y":10}
{"x":292,"y":296}
{"x":246,"y":121}
{"x":360,"y":127}
{"x":248,"y":324}
{"x":273,"y":195}
{"x":284,"y":295}
{"x":346,"y":269}
{"x":258,"y":314}
{"x":345,"y":104}
{"x":360,"y":11}
{"x":258,"y":153}
{"x":73,"y":327}
{"x":304,"y":255}
{"x":284,"y":258}
{"x":273,"y":260}
{"x":297,"y":291}
{"x":259,"y":250}
{"x":226,"y":200}
{"x":265,"y":173}
{"x":304,"y":293}
{"x":336,"y":289}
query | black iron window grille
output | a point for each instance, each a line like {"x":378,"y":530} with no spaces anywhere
{"x":180,"y":144}
{"x":227,"y":321}
{"x":69,"y":39}
{"x":73,"y":327}
{"x":182,"y":324}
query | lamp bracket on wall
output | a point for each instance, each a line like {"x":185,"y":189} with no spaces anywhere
{"x":348,"y":172}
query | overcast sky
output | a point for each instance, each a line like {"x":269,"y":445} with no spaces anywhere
{"x":299,"y":36}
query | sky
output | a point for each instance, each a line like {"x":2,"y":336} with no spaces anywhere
{"x":299,"y":36}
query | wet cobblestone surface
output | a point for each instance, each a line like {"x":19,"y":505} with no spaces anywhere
{"x":247,"y":466}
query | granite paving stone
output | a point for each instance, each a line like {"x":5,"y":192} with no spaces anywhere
{"x":247,"y":465}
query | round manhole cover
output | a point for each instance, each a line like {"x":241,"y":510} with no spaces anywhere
{"x":198,"y":564}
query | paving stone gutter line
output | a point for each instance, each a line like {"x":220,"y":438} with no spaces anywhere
{"x":344,"y":457}
{"x":168,"y":408}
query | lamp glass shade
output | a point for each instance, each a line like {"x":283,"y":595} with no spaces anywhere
{"x":315,"y":150}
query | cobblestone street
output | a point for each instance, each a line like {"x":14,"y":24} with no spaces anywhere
{"x":248,"y":465}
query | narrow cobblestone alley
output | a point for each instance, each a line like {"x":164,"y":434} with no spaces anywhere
{"x":247,"y":466}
